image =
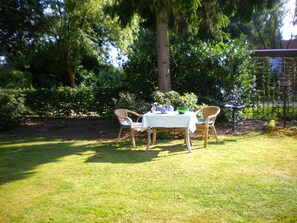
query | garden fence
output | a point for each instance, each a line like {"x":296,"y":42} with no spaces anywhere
{"x":275,"y":95}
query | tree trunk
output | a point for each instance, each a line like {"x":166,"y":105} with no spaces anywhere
{"x":71,"y":76}
{"x":164,"y":80}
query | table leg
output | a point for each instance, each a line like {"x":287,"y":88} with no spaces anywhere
{"x":233,"y":120}
{"x":188,"y":142}
{"x":154,"y":136}
{"x":148,"y":138}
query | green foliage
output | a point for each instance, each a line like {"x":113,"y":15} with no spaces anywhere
{"x":12,"y":109}
{"x":266,"y":27}
{"x":21,"y":25}
{"x":47,"y":69}
{"x":188,"y":100}
{"x":66,"y":101}
{"x":141,"y":69}
{"x":60,"y":125}
{"x":205,"y":18}
{"x":62,"y":101}
{"x":82,"y":30}
{"x":216,"y":72}
{"x":16,"y":80}
{"x":129,"y":101}
{"x":104,"y":78}
{"x":270,"y":112}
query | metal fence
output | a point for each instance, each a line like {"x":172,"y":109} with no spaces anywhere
{"x":276,"y":85}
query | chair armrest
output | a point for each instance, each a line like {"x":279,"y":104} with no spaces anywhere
{"x":199,"y":111}
{"x":210,"y":117}
{"x":135,"y":113}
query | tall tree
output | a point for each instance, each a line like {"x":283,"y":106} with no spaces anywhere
{"x":264,"y":30}
{"x":74,"y":29}
{"x":80,"y":28}
{"x":266,"y":27}
{"x":179,"y":15}
{"x":159,"y":15}
{"x":21,"y":22}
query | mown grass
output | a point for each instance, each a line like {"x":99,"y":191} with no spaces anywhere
{"x":251,"y":178}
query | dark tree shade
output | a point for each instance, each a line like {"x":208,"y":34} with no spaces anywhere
{"x":20,"y":21}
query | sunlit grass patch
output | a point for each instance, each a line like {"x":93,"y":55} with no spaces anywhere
{"x":249,"y":178}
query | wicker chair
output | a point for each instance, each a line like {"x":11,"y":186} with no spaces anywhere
{"x":210,"y":114}
{"x":126,"y":122}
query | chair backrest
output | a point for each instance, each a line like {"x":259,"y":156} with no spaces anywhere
{"x":121,"y":113}
{"x":211,"y":110}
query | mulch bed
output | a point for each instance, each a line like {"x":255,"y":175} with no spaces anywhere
{"x":95,"y":128}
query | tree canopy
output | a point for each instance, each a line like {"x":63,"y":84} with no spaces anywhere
{"x":69,"y":31}
{"x":20,"y":25}
{"x":206,"y":18}
{"x":56,"y":39}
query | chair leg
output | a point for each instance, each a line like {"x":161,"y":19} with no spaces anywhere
{"x":132,"y":138}
{"x":205,"y":138}
{"x":215,"y":133}
{"x":119,"y":135}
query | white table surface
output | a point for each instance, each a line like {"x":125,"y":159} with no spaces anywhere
{"x":169,"y":120}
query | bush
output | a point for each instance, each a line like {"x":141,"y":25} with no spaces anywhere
{"x":105,"y":83}
{"x":60,"y":102}
{"x":40,"y":101}
{"x":128,"y":101}
{"x":105,"y":78}
{"x":188,"y":100}
{"x":16,"y":80}
{"x":12,"y":109}
{"x":103,"y":98}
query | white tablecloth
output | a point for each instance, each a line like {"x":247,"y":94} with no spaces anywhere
{"x":169,"y":120}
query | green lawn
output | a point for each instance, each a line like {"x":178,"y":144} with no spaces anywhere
{"x":251,"y":178}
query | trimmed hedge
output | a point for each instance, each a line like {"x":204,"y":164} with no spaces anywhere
{"x":16,"y":105}
{"x":60,"y":102}
{"x":12,"y":109}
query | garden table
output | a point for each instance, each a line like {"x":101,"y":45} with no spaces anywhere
{"x":154,"y":120}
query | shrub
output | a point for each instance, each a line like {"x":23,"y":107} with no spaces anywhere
{"x":16,"y":80}
{"x":62,"y":101}
{"x":103,"y":98}
{"x":104,"y":78}
{"x":129,"y":101}
{"x":40,"y":101}
{"x":12,"y":109}
{"x":105,"y":83}
{"x":188,"y":100}
{"x":83,"y":100}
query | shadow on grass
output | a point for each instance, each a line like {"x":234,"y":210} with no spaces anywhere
{"x":20,"y":157}
{"x":121,"y":152}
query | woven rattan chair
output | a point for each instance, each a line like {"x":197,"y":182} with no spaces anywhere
{"x":210,"y":114}
{"x":125,"y":119}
